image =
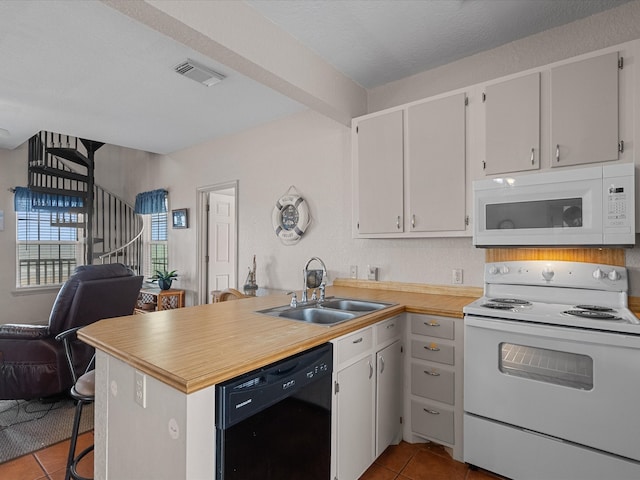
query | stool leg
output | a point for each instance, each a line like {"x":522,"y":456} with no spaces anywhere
{"x":74,"y":438}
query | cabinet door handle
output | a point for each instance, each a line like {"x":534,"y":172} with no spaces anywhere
{"x":432,"y":373}
{"x":532,"y":157}
{"x":398,"y":222}
{"x":357,"y":340}
{"x":381,"y":364}
{"x":370,"y":369}
{"x":557,"y":152}
{"x":432,"y":412}
{"x":433,"y":347}
{"x":413,"y":221}
{"x":432,"y":323}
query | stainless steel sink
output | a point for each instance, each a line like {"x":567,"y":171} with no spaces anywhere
{"x":353,"y":305}
{"x":317,"y":315}
{"x":329,"y":312}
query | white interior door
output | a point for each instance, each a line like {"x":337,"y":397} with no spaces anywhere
{"x":221,"y":240}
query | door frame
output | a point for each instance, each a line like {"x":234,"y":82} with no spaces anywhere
{"x":202,"y":234}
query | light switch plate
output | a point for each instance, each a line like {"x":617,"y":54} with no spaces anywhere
{"x":373,"y":273}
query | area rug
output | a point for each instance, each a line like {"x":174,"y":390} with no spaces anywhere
{"x":29,"y":425}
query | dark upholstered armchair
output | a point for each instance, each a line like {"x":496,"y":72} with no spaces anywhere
{"x":33,"y":362}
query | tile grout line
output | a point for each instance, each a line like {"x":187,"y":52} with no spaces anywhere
{"x":44,"y":471}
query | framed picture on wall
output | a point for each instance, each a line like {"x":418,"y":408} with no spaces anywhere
{"x":180,"y":218}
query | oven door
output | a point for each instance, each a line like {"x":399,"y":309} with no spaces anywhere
{"x":576,"y":385}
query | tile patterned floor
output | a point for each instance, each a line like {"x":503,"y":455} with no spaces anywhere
{"x":48,"y":463}
{"x":399,"y":462}
{"x":421,"y":462}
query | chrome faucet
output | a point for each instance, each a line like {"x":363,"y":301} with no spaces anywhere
{"x":305,"y":285}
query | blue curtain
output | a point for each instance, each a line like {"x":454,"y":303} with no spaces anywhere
{"x":25,"y":200}
{"x":154,"y":201}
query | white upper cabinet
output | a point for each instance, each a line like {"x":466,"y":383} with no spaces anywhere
{"x":584,"y":111}
{"x":512,"y":114}
{"x":379,"y":175}
{"x":414,"y":164}
{"x":435,"y":165}
{"x":409,"y":170}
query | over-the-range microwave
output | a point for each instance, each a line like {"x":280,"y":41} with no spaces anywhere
{"x":593,"y":206}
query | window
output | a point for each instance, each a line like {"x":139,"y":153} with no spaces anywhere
{"x":153,"y":208}
{"x":156,"y":250}
{"x":568,"y":369}
{"x":48,"y":247}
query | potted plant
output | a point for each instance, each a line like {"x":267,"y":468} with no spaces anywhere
{"x":164,"y":278}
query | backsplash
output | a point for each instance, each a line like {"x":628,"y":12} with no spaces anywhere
{"x":607,"y":256}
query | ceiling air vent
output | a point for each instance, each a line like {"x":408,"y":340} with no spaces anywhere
{"x":198,"y":72}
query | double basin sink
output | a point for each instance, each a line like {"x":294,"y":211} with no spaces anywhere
{"x":328,"y":312}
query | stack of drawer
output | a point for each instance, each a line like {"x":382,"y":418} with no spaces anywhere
{"x":434,"y":367}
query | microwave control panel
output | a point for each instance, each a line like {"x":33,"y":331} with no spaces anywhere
{"x":619,"y":208}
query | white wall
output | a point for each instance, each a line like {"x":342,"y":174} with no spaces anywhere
{"x":312,"y":153}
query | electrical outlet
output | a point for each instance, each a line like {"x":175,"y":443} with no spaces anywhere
{"x":140,"y":391}
{"x":354,"y":271}
{"x":456,"y":276}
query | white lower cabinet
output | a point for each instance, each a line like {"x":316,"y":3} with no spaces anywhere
{"x":389,"y":396}
{"x":367,"y":400}
{"x":434,"y":374}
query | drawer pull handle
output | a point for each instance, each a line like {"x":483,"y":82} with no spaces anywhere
{"x":433,"y":374}
{"x":431,"y":412}
{"x":391,"y":326}
{"x":433,"y":347}
{"x":432,"y":323}
{"x":358,"y":340}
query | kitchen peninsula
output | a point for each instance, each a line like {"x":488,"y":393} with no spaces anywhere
{"x":155,"y":374}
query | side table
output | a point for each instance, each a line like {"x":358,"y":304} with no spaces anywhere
{"x":154,"y":299}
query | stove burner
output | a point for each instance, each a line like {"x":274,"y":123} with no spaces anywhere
{"x":595,"y":308}
{"x":510,"y":301}
{"x":596,"y":315}
{"x":498,"y":306}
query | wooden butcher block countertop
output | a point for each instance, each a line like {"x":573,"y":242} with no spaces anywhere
{"x":197,"y":347}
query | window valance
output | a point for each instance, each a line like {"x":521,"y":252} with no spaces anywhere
{"x":154,"y":201}
{"x":25,"y":200}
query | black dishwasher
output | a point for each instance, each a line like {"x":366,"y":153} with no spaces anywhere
{"x":274,"y":423}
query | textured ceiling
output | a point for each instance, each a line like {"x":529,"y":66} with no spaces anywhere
{"x":376,"y":42}
{"x":84,"y":68}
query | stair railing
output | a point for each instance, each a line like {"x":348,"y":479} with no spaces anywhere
{"x":118,"y":229}
{"x":131,"y":249}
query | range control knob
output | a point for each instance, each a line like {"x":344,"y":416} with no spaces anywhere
{"x":598,"y":274}
{"x":493,"y":270}
{"x":548,"y":273}
{"x":613,"y":275}
{"x":504,"y":269}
